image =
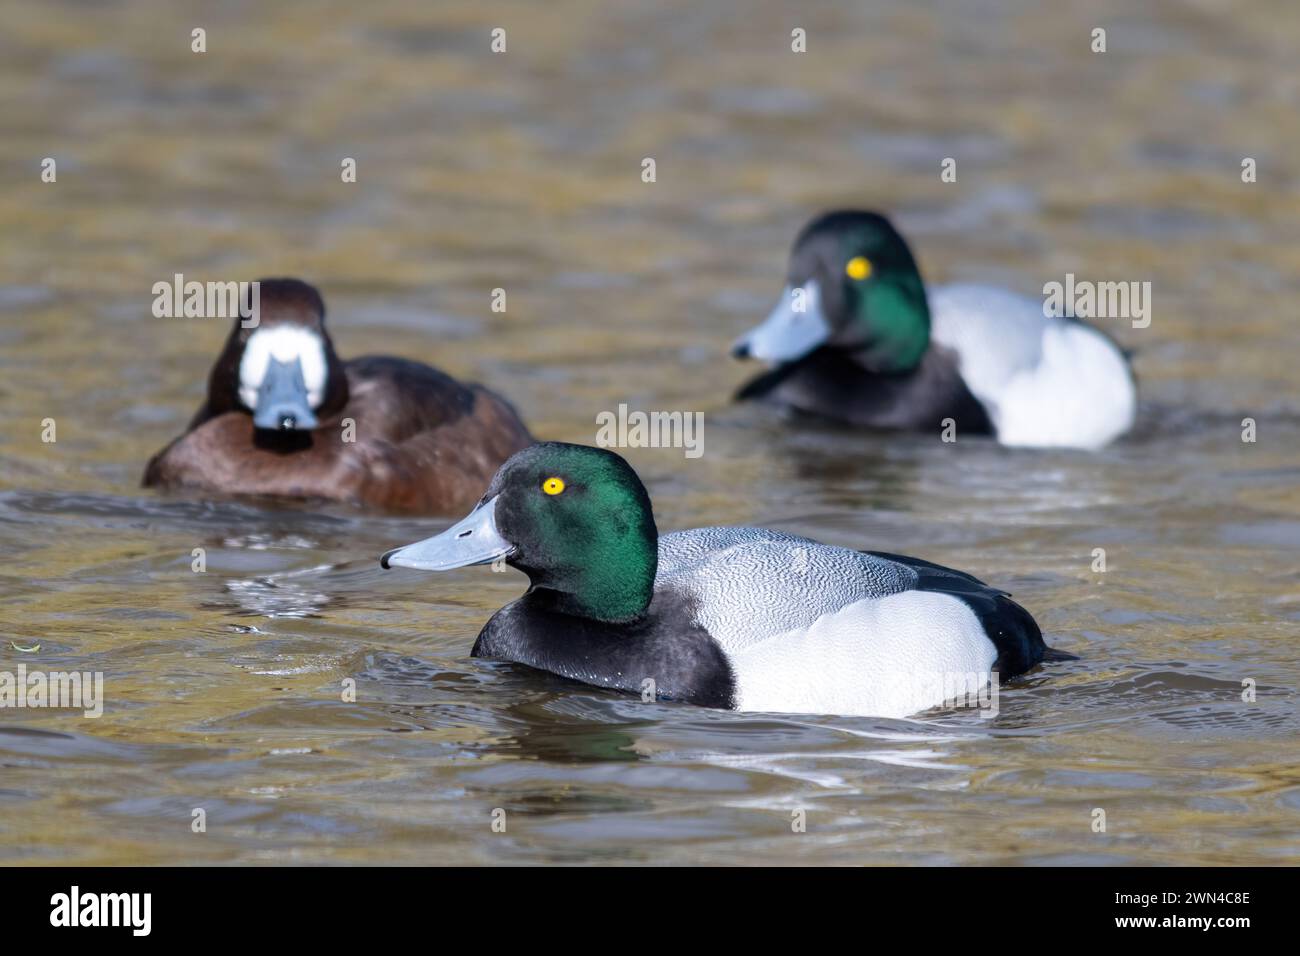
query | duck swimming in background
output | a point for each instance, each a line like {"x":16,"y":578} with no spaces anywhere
{"x":286,"y":416}
{"x":737,"y":618}
{"x":857,"y":339}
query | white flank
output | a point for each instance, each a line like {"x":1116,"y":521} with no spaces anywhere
{"x":1080,"y":395}
{"x":882,"y":657}
{"x":1045,"y":381}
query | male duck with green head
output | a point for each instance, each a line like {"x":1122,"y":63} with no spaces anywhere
{"x":740,"y":618}
{"x":857,"y":339}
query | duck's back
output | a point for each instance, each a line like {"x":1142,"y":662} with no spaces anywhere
{"x":404,"y":399}
{"x":1044,"y":380}
{"x":436,"y":441}
{"x":812,"y":628}
{"x":751,"y":583}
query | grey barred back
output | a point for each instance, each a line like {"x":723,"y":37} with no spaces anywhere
{"x":749,"y":584}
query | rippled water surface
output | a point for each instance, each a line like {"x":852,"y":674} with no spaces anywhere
{"x":523,"y":171}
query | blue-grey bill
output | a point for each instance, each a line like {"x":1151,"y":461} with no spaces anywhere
{"x":282,"y":403}
{"x":472,"y":540}
{"x":793,"y":329}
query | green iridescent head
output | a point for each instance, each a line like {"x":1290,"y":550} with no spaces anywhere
{"x":852,"y":285}
{"x":576,"y":520}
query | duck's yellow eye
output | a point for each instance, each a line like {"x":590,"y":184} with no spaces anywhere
{"x":553,"y":486}
{"x":858,"y":268}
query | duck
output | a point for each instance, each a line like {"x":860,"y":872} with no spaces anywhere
{"x":731,"y":618}
{"x":286,"y":417}
{"x":859,"y":340}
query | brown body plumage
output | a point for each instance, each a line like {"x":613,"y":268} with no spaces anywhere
{"x":421,"y":441}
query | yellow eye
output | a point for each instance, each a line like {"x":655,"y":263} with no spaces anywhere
{"x":553,"y":486}
{"x":858,"y":268}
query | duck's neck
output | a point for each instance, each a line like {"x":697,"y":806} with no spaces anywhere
{"x":893,"y":323}
{"x":613,"y":581}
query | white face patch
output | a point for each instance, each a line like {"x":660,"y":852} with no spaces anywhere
{"x":284,"y":343}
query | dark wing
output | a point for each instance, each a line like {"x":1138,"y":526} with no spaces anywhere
{"x":1009,"y":626}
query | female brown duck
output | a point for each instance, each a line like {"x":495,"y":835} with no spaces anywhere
{"x":286,"y":416}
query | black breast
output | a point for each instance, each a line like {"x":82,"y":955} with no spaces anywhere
{"x":664,"y":645}
{"x":829,"y":384}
